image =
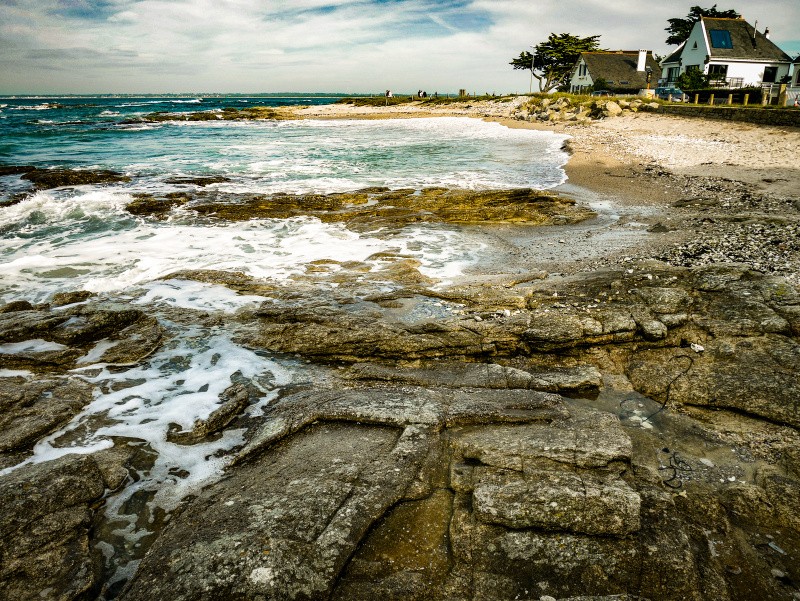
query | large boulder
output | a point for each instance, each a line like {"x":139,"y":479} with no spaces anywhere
{"x":45,"y":517}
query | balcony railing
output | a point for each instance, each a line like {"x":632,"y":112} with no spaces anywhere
{"x":730,"y":83}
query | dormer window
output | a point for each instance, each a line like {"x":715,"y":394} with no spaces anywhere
{"x":721,"y":38}
{"x":695,"y":46}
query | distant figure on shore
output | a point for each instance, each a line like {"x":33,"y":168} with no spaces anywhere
{"x":388,"y":93}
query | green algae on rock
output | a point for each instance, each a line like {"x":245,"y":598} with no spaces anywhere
{"x":373,"y":208}
{"x":44,"y":179}
{"x":226,"y":114}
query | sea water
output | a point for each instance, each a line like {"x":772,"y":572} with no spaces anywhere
{"x":82,"y":238}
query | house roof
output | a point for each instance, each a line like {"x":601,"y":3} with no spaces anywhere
{"x":675,"y":56}
{"x":744,"y":45}
{"x":619,"y":67}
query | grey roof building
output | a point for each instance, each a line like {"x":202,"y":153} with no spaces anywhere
{"x":622,"y":70}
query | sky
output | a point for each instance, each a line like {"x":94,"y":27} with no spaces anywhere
{"x":352,"y":46}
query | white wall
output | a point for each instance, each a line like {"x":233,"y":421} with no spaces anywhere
{"x":695,"y":56}
{"x":751,"y":73}
{"x":579,"y":82}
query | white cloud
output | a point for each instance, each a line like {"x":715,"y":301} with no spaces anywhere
{"x":307,"y":45}
{"x":126,"y":16}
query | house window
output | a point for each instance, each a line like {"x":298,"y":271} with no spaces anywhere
{"x":690,"y":68}
{"x":717,"y":72}
{"x":583,"y":70}
{"x":721,"y":38}
{"x":672,"y":73}
{"x":770,"y":74}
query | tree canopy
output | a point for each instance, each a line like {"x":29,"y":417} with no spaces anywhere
{"x":551,"y":62}
{"x":679,"y":29}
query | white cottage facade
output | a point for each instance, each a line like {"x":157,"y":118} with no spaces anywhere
{"x":731,"y":52}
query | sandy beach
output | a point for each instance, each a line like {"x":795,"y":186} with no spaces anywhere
{"x":706,"y":191}
{"x":764,"y":156}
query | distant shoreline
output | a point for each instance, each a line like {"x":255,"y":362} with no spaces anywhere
{"x":195,"y":95}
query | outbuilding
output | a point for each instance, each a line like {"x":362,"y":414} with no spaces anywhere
{"x":623,"y":71}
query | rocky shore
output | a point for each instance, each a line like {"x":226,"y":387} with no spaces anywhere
{"x":625,"y":427}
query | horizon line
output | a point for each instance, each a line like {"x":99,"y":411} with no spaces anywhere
{"x":201,"y":94}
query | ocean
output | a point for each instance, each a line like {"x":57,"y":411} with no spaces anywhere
{"x":82,"y":238}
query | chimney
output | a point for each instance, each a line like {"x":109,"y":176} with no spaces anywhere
{"x":642,"y":60}
{"x":766,"y":33}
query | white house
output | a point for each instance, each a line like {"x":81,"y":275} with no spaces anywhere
{"x":622,"y":70}
{"x":793,"y":93}
{"x":796,"y":77}
{"x":731,"y":52}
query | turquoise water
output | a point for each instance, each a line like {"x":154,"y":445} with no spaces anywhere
{"x":82,"y":238}
{"x":273,"y":155}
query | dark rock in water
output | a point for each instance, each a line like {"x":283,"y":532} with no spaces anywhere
{"x":44,"y":179}
{"x":14,"y":199}
{"x":147,"y":204}
{"x":20,"y":305}
{"x":68,"y":298}
{"x":45,"y":515}
{"x":432,"y":461}
{"x":200,"y":180}
{"x":16,"y":169}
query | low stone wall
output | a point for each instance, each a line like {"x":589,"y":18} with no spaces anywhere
{"x":784,"y":117}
